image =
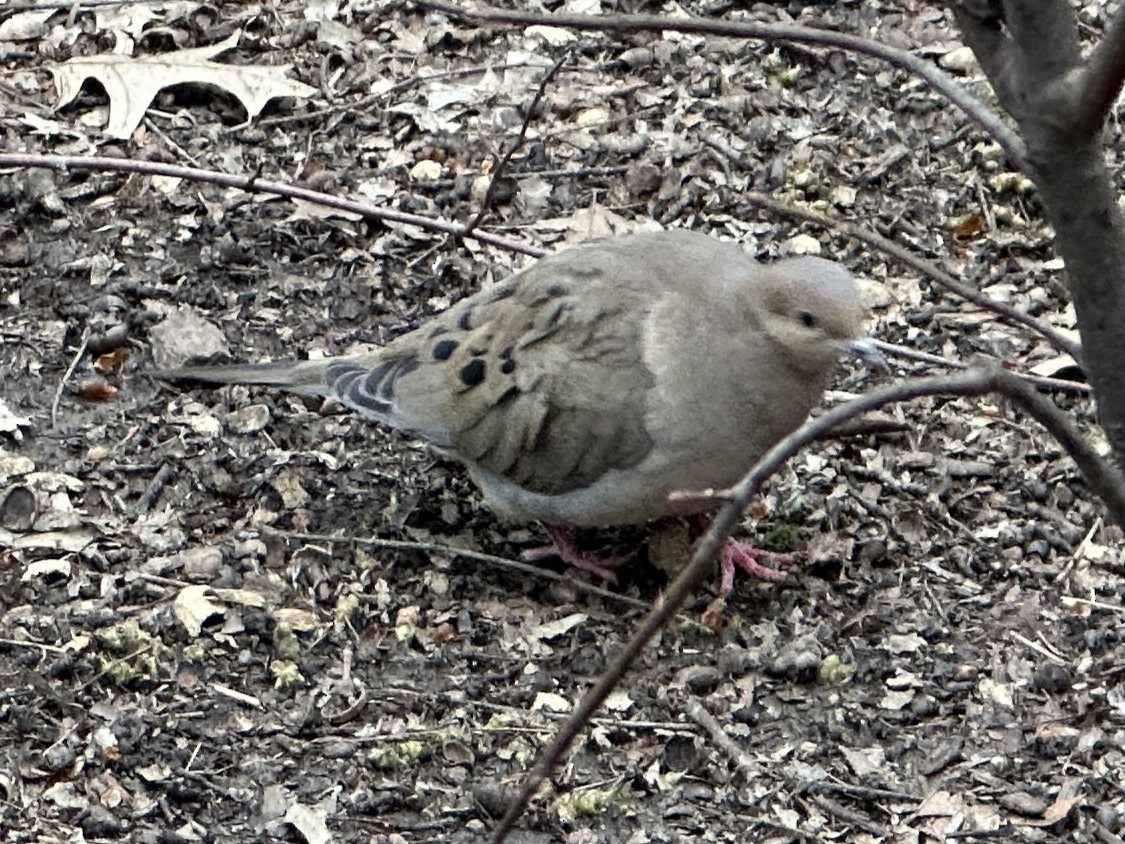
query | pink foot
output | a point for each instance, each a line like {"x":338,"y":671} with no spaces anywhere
{"x":739,"y":555}
{"x":562,"y":546}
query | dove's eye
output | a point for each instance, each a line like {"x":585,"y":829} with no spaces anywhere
{"x":806,"y":319}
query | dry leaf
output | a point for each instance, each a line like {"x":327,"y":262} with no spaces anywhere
{"x":444,"y":633}
{"x":1062,"y":366}
{"x":551,"y":702}
{"x":9,"y":422}
{"x":714,"y":617}
{"x":193,"y":607}
{"x":25,"y":26}
{"x":311,"y":822}
{"x":96,"y":389}
{"x":552,"y":629}
{"x":111,"y":362}
{"x":968,"y":227}
{"x":132,"y":83}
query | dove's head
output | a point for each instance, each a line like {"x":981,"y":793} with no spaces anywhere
{"x":811,"y":309}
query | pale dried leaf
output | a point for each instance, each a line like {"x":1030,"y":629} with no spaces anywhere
{"x":193,"y":607}
{"x":132,"y":83}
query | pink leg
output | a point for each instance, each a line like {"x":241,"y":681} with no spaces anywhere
{"x":741,"y":555}
{"x":562,"y":546}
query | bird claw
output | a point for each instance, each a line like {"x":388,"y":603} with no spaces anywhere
{"x":564,"y":548}
{"x":739,"y":555}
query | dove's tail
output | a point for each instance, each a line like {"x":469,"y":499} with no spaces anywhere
{"x":306,"y":377}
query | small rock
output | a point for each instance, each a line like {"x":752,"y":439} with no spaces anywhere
{"x":183,"y":333}
{"x":18,"y":508}
{"x":680,"y":754}
{"x":734,"y":661}
{"x":1109,"y":818}
{"x":960,"y":60}
{"x":637,"y":57}
{"x":248,"y":420}
{"x":800,"y":656}
{"x":917,"y":460}
{"x":1052,"y":678}
{"x":1023,"y":803}
{"x":701,"y":679}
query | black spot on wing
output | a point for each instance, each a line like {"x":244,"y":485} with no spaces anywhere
{"x":473,"y":372}
{"x":443,"y":349}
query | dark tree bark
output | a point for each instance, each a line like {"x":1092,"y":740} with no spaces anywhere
{"x":1030,"y":51}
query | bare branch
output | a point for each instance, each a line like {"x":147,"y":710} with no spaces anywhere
{"x":938,"y":79}
{"x":464,"y":553}
{"x":1102,"y":478}
{"x":991,"y":45}
{"x":1047,"y":383}
{"x":253,"y":184}
{"x":1099,"y":83}
{"x":1032,"y":62}
{"x":1037,"y":81}
{"x":501,"y":164}
{"x":1044,"y":31}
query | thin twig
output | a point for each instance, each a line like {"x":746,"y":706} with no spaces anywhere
{"x":1070,"y":601}
{"x":253,"y":184}
{"x":125,"y":660}
{"x":1037,"y":648}
{"x":863,"y":791}
{"x":66,"y":377}
{"x":434,"y":547}
{"x":1104,"y":480}
{"x":1079,"y":552}
{"x":160,"y":480}
{"x":784,"y":829}
{"x":938,"y":79}
{"x":749,"y":768}
{"x":70,"y":4}
{"x":851,"y":816}
{"x":1046,"y":382}
{"x":19,"y":643}
{"x":502,"y":165}
{"x":363,"y":103}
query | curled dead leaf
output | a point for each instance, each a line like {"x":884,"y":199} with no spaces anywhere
{"x":111,"y":362}
{"x":968,"y":227}
{"x":96,"y":389}
{"x":714,"y":617}
{"x":444,"y":633}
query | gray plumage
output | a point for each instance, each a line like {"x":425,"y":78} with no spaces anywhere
{"x":586,"y":388}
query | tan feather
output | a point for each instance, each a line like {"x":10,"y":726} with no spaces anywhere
{"x":586,"y":388}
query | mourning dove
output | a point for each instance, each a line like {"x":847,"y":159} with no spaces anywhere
{"x":587,"y":388}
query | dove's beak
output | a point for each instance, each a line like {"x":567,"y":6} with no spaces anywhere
{"x":867,"y":348}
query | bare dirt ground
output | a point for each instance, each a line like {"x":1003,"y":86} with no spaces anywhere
{"x":177,"y":665}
